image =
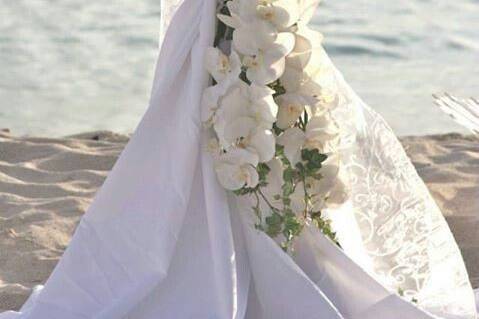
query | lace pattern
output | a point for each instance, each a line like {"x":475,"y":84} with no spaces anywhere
{"x":408,"y":241}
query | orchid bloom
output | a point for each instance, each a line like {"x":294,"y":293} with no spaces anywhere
{"x":281,"y":13}
{"x":304,"y":66}
{"x":291,"y":106}
{"x":237,"y":168}
{"x":330,"y":190}
{"x":244,"y":133}
{"x":243,"y":101}
{"x":245,"y":118}
{"x":267,"y":64}
{"x":306,"y":43}
{"x":225,"y":70}
{"x":321,"y":133}
{"x":326,"y":101}
{"x":220,"y":66}
{"x":249,"y":36}
{"x":264,"y":49}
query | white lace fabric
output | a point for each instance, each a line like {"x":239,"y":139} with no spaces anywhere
{"x":409,"y":244}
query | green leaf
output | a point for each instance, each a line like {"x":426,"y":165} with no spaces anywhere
{"x":274,"y":219}
{"x":288,"y":175}
{"x":288,"y":189}
{"x":300,"y":167}
{"x":274,"y":224}
{"x":263,"y":171}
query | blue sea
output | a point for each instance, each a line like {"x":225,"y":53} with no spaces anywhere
{"x":79,"y":65}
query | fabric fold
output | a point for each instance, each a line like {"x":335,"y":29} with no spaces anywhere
{"x":231,"y":268}
{"x":282,"y":289}
{"x":135,"y":220}
{"x":355,"y":292}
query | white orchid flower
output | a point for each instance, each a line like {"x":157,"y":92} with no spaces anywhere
{"x":331,"y":189}
{"x":305,"y":64}
{"x":321,"y":133}
{"x":329,"y":175}
{"x":302,"y":81}
{"x":239,"y":130}
{"x":264,"y":143}
{"x":209,"y":103}
{"x":339,"y":194}
{"x":232,"y":106}
{"x":259,"y":41}
{"x":263,"y":105}
{"x":281,"y":13}
{"x":242,"y":101}
{"x":220,"y":66}
{"x":267,"y":64}
{"x":243,"y":132}
{"x":237,"y":168}
{"x":250,"y":36}
{"x":244,"y":9}
{"x":291,"y":106}
{"x":293,"y":140}
{"x":306,"y":43}
{"x":225,"y":70}
{"x":326,"y":101}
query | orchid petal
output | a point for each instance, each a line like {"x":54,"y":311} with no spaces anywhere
{"x":281,"y":13}
{"x":265,"y":112}
{"x":217,"y":63}
{"x":252,"y":176}
{"x":292,"y":140}
{"x":241,"y":156}
{"x":264,"y":143}
{"x":249,"y":38}
{"x":291,"y":106}
{"x":239,"y":129}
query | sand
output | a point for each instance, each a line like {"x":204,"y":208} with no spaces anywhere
{"x":47,"y":184}
{"x":449,"y":164}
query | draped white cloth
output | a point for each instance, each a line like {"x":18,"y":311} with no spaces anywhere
{"x":163,"y":240}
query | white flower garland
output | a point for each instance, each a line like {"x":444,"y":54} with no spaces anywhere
{"x":274,"y":137}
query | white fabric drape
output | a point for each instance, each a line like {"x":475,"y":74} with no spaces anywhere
{"x":163,"y":240}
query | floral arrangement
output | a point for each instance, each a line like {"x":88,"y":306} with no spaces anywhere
{"x":274,"y":140}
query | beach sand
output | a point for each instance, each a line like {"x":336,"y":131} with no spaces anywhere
{"x":47,"y":184}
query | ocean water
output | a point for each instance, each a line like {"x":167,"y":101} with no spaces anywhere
{"x":77,"y":65}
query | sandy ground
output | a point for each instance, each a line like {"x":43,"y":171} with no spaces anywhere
{"x":47,"y":184}
{"x":449,"y":164}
